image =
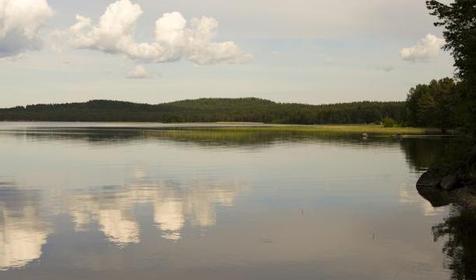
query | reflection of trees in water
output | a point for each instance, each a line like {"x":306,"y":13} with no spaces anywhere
{"x":458,"y":230}
{"x":460,"y":248}
{"x":93,"y":136}
{"x":202,"y":136}
{"x":422,"y":153}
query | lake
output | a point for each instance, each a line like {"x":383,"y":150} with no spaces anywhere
{"x":125,"y":201}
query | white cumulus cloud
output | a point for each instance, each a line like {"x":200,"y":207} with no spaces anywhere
{"x":427,"y":48}
{"x":138,"y":72}
{"x":175,"y":38}
{"x":20,"y":22}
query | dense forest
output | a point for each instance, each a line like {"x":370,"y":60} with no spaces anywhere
{"x":211,"y":110}
{"x":440,"y":104}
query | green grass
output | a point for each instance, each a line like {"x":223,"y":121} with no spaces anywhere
{"x":240,"y":133}
{"x":319,"y":129}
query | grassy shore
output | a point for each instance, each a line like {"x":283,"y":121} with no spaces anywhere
{"x":316,"y":129}
{"x":249,"y":133}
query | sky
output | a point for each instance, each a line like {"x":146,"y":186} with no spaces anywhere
{"x":154,"y":51}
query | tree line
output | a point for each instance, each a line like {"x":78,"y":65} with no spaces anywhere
{"x":211,"y":110}
{"x":440,"y":104}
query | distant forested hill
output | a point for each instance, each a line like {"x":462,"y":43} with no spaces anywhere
{"x":210,"y":110}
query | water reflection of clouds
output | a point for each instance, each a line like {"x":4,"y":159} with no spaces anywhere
{"x":112,"y":208}
{"x":408,"y":195}
{"x":22,"y":230}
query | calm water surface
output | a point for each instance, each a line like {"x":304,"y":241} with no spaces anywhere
{"x":96,"y":202}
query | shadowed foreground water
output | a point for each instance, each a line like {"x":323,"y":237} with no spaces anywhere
{"x":131,"y":203}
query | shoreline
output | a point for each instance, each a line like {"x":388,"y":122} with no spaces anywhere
{"x":354,"y":129}
{"x":450,"y":186}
